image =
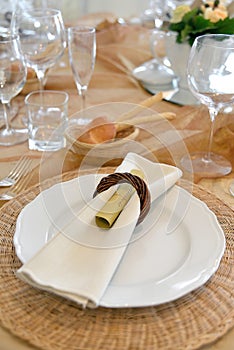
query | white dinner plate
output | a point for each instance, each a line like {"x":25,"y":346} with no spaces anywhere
{"x":175,"y":250}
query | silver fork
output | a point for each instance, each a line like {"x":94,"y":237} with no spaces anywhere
{"x":17,"y":172}
{"x":16,"y":188}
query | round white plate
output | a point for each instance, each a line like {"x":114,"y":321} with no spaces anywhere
{"x":175,"y":250}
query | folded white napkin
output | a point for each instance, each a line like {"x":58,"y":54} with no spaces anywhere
{"x":79,"y":262}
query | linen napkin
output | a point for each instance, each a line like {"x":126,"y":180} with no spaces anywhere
{"x":79,"y":262}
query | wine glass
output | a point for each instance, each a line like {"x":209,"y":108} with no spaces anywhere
{"x":42,"y":36}
{"x":12,"y":79}
{"x":210,"y":78}
{"x":82,"y":55}
{"x":5,"y":27}
{"x":156,"y":13}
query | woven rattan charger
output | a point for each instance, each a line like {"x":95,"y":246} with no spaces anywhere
{"x":50,"y":322}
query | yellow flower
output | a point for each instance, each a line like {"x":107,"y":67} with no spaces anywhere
{"x":211,"y":16}
{"x":214,"y":13}
{"x":179,"y":13}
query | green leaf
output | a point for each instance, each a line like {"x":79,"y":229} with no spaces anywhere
{"x":190,"y":15}
{"x":225,"y":26}
{"x":185,"y":32}
{"x":201,"y":24}
{"x":194,"y":24}
{"x":176,"y":27}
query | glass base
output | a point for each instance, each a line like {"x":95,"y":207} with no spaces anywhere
{"x":46,"y":146}
{"x":183,"y":97}
{"x":153,"y":74}
{"x":79,"y":121}
{"x":198,"y":163}
{"x":13,"y":136}
{"x":231,"y":188}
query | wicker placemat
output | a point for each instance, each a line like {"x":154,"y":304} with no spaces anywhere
{"x":51,"y":322}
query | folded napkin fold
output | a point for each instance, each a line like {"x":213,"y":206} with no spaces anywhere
{"x":79,"y":262}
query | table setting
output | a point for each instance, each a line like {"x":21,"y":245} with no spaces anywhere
{"x":159,"y":274}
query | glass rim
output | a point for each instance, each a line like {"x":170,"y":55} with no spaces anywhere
{"x":46,"y":92}
{"x":40,"y":12}
{"x":200,"y":38}
{"x":84,"y":29}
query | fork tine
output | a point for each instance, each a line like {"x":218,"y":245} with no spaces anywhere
{"x":23,"y":169}
{"x":16,"y":167}
{"x":20,"y":185}
{"x":16,"y":188}
{"x":20,"y":168}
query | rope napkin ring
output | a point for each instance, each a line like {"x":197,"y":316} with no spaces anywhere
{"x":134,"y":180}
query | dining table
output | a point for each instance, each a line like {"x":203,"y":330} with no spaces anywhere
{"x":202,"y":319}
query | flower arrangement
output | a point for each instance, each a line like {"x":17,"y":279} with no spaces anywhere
{"x":210,"y":18}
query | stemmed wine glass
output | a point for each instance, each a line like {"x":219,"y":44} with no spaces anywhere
{"x":156,"y":12}
{"x":5,"y":27}
{"x":82,"y":55}
{"x":42,"y":36}
{"x":210,"y":79}
{"x":12,"y":79}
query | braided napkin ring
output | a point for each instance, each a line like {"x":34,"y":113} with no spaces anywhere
{"x":134,"y":180}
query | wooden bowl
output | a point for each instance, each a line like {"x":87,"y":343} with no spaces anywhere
{"x":107,"y":152}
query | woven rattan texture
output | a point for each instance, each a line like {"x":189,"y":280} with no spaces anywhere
{"x":50,"y":322}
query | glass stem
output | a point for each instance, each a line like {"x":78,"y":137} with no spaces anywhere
{"x":6,"y":116}
{"x":41,"y":78}
{"x":83,"y":97}
{"x":83,"y":101}
{"x":213,"y":113}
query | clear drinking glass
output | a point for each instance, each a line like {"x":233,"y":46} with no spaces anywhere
{"x":43,"y":38}
{"x":82,"y":55}
{"x":211,"y":80}
{"x":47,"y":119}
{"x":12,"y":79}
